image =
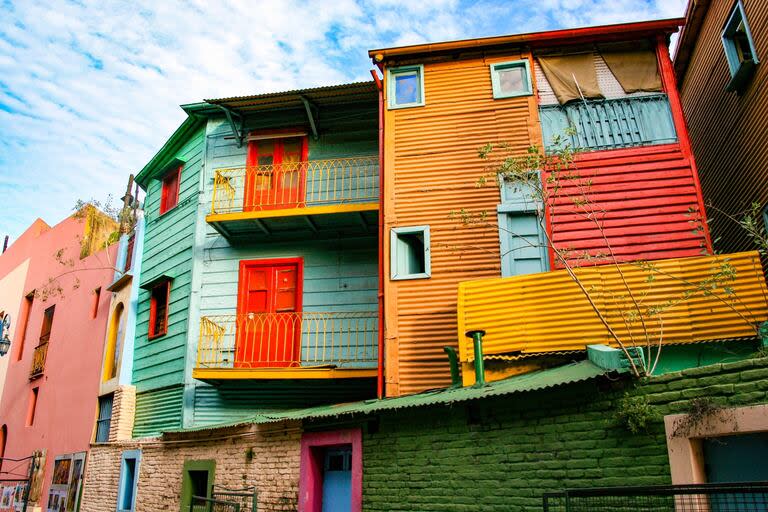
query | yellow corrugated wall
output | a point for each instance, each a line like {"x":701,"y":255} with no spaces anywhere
{"x":548,"y":312}
{"x":431,"y":168}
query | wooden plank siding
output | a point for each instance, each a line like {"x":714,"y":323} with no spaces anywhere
{"x":168,"y":249}
{"x":728,"y":131}
{"x":431,"y":168}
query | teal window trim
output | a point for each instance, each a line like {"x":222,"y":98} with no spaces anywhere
{"x":135,"y":455}
{"x":396,"y":273}
{"x":765,"y":218}
{"x":524,"y":203}
{"x":741,"y":70}
{"x":417,"y":69}
{"x":495,"y":80}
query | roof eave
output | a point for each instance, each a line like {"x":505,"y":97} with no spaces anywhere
{"x":694,"y":18}
{"x":564,"y":36}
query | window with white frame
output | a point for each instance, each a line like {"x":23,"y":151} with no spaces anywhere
{"x":405,"y":86}
{"x":511,"y":79}
{"x":409,"y":258}
{"x":739,"y":48}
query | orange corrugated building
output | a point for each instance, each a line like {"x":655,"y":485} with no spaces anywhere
{"x":441,"y":102}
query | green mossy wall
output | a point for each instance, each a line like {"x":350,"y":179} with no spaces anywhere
{"x":503,"y":454}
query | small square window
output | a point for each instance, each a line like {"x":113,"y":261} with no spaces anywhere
{"x":511,"y":79}
{"x":739,"y":48}
{"x":409,"y":257}
{"x":170,"y":190}
{"x":406,"y":87}
{"x":158,"y":309}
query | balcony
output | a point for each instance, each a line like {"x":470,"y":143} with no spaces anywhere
{"x":547,"y":313}
{"x":38,"y":360}
{"x":301,"y":345}
{"x":610,"y":124}
{"x":317,"y":197}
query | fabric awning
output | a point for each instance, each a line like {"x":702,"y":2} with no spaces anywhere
{"x":635,"y":70}
{"x":571,"y":76}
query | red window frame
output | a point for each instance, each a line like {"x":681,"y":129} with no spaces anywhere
{"x":162,"y":290}
{"x":170,"y":190}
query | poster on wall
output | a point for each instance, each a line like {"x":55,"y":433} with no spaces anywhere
{"x":64,"y":493}
{"x":18,"y":499}
{"x":7,"y":493}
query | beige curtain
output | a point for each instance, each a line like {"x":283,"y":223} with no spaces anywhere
{"x":635,"y":70}
{"x":570,"y":75}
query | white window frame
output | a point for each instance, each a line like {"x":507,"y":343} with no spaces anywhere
{"x":496,"y":83}
{"x":395,"y":274}
{"x":418,"y":70}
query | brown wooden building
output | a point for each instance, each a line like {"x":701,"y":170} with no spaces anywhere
{"x":725,"y":99}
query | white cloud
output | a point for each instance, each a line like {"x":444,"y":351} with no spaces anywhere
{"x":89,"y":90}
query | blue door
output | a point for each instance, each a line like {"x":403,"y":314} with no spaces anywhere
{"x":337,"y":480}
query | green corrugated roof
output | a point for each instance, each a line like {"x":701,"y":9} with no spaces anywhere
{"x":567,"y":374}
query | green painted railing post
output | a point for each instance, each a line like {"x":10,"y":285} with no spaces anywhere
{"x":453,"y":362}
{"x":477,"y":338}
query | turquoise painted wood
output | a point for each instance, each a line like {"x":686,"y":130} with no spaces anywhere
{"x":168,"y":249}
{"x":610,"y":124}
{"x":522,"y":240}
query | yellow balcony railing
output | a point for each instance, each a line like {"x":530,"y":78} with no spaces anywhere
{"x":289,"y":340}
{"x":682,"y":300}
{"x":296,"y":185}
{"x":38,"y":360}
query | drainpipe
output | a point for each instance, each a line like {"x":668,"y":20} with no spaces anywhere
{"x":380,"y":377}
{"x":453,"y":362}
{"x":477,"y":338}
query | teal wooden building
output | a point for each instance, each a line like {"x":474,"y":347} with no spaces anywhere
{"x":259,"y":287}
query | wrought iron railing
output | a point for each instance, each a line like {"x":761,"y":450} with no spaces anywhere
{"x":610,"y":124}
{"x":739,"y":497}
{"x":269,"y":340}
{"x":203,"y":504}
{"x":38,"y":360}
{"x":295,"y":185}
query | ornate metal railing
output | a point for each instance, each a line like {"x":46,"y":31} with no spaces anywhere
{"x":274,"y":340}
{"x":610,"y":124}
{"x":38,"y":360}
{"x":296,"y":185}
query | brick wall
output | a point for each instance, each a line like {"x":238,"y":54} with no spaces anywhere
{"x":503,"y":454}
{"x":123,"y":412}
{"x":273,"y":467}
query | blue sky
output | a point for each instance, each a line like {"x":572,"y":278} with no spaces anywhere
{"x":89,"y":90}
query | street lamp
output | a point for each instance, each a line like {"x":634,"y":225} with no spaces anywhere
{"x":5,"y":341}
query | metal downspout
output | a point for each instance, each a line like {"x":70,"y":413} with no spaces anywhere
{"x":380,"y":365}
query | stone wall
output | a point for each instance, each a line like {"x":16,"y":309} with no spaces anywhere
{"x":503,"y":454}
{"x":265,"y":456}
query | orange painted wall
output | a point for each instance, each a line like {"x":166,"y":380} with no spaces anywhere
{"x":431,"y":168}
{"x":67,"y":400}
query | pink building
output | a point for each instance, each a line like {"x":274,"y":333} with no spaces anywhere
{"x":54,"y":286}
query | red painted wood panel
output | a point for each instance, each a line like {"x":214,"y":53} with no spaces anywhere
{"x":638,"y":204}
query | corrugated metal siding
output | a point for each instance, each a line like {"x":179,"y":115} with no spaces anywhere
{"x":232,"y":401}
{"x":728,"y":132}
{"x":641,"y":198}
{"x":548,"y":312}
{"x":158,"y":410}
{"x":168,"y":246}
{"x":432,"y":168}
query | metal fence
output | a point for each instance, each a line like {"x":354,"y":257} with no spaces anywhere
{"x":296,"y":184}
{"x":264,"y":340}
{"x":226,"y":500}
{"x":742,"y":497}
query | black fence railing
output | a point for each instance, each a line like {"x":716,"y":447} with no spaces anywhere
{"x":741,"y":497}
{"x":226,"y":500}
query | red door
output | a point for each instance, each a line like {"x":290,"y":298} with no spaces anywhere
{"x":275,"y":173}
{"x":269,"y":318}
